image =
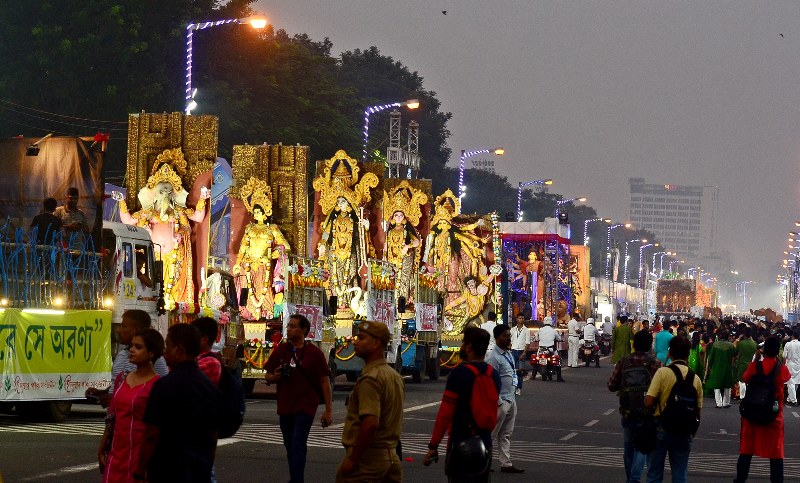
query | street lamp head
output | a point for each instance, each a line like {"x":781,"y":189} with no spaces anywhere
{"x":499,"y":151}
{"x":607,"y":220}
{"x":627,"y":225}
{"x":656,"y":244}
{"x":412,"y":103}
{"x":582,"y":199}
{"x":643,"y":240}
{"x":256,"y":21}
{"x":192,"y":104}
{"x":548,"y":182}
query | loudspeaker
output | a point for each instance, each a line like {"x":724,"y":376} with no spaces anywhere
{"x":511,"y":216}
{"x":333,"y":304}
{"x":563,"y":218}
{"x":401,"y":304}
{"x":243,"y":296}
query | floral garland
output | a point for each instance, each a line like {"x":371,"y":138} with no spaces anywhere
{"x":256,"y":343}
{"x":307,"y":275}
{"x":427,"y":278}
{"x":342,"y":343}
{"x":447,"y":364}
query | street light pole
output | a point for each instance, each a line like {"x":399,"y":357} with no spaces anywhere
{"x":625,"y":270}
{"x":608,"y":247}
{"x":411,"y":104}
{"x":255,"y":21}
{"x":653,"y":265}
{"x":524,"y":184}
{"x":586,"y":228}
{"x":462,"y":161}
{"x":641,"y":261}
{"x":564,"y":202}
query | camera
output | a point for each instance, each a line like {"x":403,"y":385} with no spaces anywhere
{"x":286,"y":370}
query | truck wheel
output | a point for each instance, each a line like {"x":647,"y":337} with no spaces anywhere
{"x":352,"y":376}
{"x":416,"y":376}
{"x":248,"y":385}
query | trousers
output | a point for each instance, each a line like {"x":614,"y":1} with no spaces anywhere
{"x":572,"y":356}
{"x":506,"y":416}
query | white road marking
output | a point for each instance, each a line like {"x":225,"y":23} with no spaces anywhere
{"x":796,"y":414}
{"x":609,"y":412}
{"x":64,"y":471}
{"x":421,"y":406}
{"x":722,"y":431}
{"x":569,"y":436}
{"x":592,"y":422}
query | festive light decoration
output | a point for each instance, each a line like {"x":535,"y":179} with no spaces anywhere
{"x":641,"y":261}
{"x":586,"y":228}
{"x":496,"y":249}
{"x":625,"y":270}
{"x":564,"y":202}
{"x":411,"y":104}
{"x":469,"y":154}
{"x":524,"y":184}
{"x":608,"y":247}
{"x":256,"y":21}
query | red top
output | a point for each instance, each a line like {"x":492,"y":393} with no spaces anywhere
{"x":765,"y":440}
{"x":127,"y":407}
{"x":302,"y":390}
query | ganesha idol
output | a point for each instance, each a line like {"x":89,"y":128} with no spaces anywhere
{"x":166,"y":217}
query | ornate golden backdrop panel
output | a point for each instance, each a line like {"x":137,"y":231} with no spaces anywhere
{"x":149,"y":134}
{"x":284,"y":170}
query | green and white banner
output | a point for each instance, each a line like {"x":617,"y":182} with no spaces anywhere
{"x":52,"y":354}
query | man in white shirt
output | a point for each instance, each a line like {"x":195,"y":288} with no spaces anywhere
{"x":502,"y":361}
{"x":489,"y":326}
{"x":791,"y":354}
{"x":520,"y":338}
{"x":574,"y":333}
{"x":547,"y":338}
{"x":608,"y":327}
{"x":590,"y":332}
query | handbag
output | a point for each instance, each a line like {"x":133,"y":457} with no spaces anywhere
{"x":467,"y":457}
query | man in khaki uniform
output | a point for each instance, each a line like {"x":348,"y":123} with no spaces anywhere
{"x":374,"y":414}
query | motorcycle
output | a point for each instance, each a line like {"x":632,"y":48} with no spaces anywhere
{"x":547,"y":362}
{"x":605,"y":344}
{"x":589,"y":352}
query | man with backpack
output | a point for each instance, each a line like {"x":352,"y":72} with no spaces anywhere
{"x":631,"y":379}
{"x":502,"y":360}
{"x":762,"y":413}
{"x":676,"y":397}
{"x":301,"y":371}
{"x":468,"y":409}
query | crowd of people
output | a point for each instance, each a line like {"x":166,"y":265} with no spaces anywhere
{"x":701,"y":357}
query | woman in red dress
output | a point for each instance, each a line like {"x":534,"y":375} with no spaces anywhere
{"x":766,"y":440}
{"x":125,"y":427}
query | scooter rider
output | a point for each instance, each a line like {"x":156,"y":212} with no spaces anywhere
{"x":590,"y":332}
{"x":548,"y":338}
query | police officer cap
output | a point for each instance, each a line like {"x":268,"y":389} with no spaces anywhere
{"x":376,"y":329}
{"x":548,"y":320}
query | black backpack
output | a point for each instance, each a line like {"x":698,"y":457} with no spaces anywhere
{"x":680,"y":415}
{"x":233,"y":406}
{"x":759,"y":405}
{"x":635,"y":380}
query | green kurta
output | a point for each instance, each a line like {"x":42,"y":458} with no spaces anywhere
{"x":621,"y":339}
{"x":720,"y":365}
{"x":745,"y":349}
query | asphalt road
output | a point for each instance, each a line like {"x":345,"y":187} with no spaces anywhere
{"x":566,"y":431}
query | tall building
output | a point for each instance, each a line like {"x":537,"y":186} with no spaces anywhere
{"x":684,"y":218}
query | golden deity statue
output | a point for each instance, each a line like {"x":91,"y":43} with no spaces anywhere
{"x":452,"y":251}
{"x":344,"y":245}
{"x":402,"y":208}
{"x":262,"y":243}
{"x":166,"y":217}
{"x":468,"y":307}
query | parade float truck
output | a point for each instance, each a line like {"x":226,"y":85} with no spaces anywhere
{"x":421,"y":332}
{"x":59,"y":308}
{"x":676,"y":297}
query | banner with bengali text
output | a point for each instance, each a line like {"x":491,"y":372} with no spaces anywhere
{"x":426,"y":317}
{"x":53,"y":355}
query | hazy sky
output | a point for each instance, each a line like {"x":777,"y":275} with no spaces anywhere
{"x":592,"y":93}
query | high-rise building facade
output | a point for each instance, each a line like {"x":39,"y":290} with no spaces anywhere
{"x":684,"y":218}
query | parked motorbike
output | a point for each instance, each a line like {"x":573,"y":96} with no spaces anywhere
{"x":589,"y":352}
{"x":547,"y":362}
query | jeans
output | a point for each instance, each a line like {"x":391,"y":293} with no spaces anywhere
{"x":678,"y":448}
{"x":295,"y":429}
{"x":743,"y":469}
{"x":633,"y":459}
{"x":517,"y":354}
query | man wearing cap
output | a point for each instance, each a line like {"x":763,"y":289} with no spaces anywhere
{"x":374,"y":413}
{"x":574,"y":329}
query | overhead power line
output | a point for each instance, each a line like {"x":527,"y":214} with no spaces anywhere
{"x":59,"y":115}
